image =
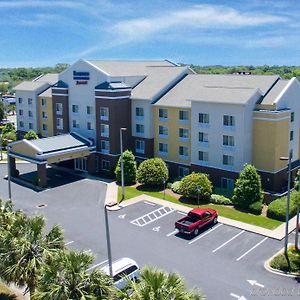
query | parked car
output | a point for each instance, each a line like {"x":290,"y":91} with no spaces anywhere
{"x":196,"y":219}
{"x":122,"y":268}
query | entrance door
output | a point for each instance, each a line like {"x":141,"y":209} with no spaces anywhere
{"x":81,"y":164}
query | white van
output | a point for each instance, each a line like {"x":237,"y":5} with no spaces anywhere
{"x":123,"y":267}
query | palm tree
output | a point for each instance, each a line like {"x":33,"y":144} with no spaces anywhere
{"x":25,"y":249}
{"x":67,"y":278}
{"x":156,"y":284}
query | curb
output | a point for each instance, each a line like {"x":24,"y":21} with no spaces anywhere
{"x":279,"y":272}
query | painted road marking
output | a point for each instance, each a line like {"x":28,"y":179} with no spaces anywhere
{"x":254,"y":282}
{"x":151,"y":216}
{"x":149,"y":203}
{"x":97,"y":265}
{"x":237,"y":296}
{"x":234,"y":237}
{"x":203,"y":235}
{"x":173,"y":232}
{"x":181,"y":213}
{"x":252,"y":249}
{"x":156,"y":228}
{"x":122,"y":216}
{"x":69,"y":243}
{"x":87,"y":251}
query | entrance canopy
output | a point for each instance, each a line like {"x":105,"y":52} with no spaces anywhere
{"x":52,"y":149}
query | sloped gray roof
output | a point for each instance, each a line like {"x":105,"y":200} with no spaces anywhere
{"x":156,"y":80}
{"x":275,"y":91}
{"x":127,"y":68}
{"x":216,"y":88}
{"x":50,"y":78}
{"x":58,"y":143}
{"x":30,"y":86}
{"x":46,"y":93}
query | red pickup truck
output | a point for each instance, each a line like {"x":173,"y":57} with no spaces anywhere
{"x":195,"y":219}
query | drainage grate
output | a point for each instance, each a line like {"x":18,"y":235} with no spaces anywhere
{"x":41,"y":205}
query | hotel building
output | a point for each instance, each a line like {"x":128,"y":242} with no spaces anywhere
{"x":203,"y":123}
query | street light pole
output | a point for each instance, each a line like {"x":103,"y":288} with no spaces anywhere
{"x":122,"y":162}
{"x":286,"y":240}
{"x":164,"y":181}
{"x":198,"y":194}
{"x":108,"y":241}
{"x":1,"y":146}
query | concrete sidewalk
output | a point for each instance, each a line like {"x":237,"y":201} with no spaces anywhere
{"x":278,"y":233}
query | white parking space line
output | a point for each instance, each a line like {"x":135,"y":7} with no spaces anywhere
{"x":181,"y":213}
{"x":252,"y":249}
{"x":234,"y":237}
{"x":206,"y":233}
{"x":97,"y":265}
{"x":69,"y":243}
{"x":173,"y":232}
{"x":149,"y":203}
{"x":151,"y":216}
{"x":87,"y":251}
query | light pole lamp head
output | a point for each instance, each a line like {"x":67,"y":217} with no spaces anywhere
{"x":123,"y":128}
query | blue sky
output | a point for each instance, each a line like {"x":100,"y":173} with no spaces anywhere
{"x":233,"y":32}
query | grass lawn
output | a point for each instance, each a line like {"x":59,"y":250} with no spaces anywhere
{"x":7,"y":294}
{"x":280,"y":262}
{"x":224,"y":211}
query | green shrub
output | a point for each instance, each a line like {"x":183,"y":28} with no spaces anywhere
{"x":255,"y":208}
{"x":247,"y":188}
{"x":152,"y":172}
{"x":220,"y":199}
{"x":8,"y":137}
{"x":277,"y":208}
{"x":176,"y":187}
{"x":129,"y":168}
{"x":31,"y":135}
{"x":169,"y":185}
{"x":279,"y":262}
{"x":9,"y":127}
{"x":190,"y":185}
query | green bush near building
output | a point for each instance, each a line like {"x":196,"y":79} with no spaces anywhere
{"x":220,"y":199}
{"x":277,"y":208}
{"x":175,"y":187}
{"x":255,"y":208}
{"x":129,"y":168}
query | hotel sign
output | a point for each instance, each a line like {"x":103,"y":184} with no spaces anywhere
{"x":81,"y":77}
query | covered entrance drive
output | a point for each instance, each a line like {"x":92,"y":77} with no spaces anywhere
{"x":48,"y":151}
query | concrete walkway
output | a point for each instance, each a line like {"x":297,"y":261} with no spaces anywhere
{"x":278,"y":233}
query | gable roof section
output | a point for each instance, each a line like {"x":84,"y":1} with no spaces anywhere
{"x":216,"y":88}
{"x":50,"y":78}
{"x":30,"y":86}
{"x":271,"y":97}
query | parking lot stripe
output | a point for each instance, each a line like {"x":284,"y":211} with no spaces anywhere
{"x":149,"y":203}
{"x":228,"y":241}
{"x":251,"y":249}
{"x":173,"y":232}
{"x":206,"y":233}
{"x":97,"y":265}
{"x":86,"y":251}
{"x":181,"y":213}
{"x":68,"y":243}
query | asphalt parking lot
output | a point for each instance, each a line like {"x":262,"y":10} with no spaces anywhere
{"x":224,"y":261}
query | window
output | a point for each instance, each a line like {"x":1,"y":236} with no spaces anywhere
{"x":89,"y":110}
{"x":139,"y":146}
{"x":183,"y":171}
{"x":228,"y":140}
{"x":203,"y":137}
{"x":29,"y":101}
{"x":44,"y":102}
{"x":21,"y":124}
{"x":227,"y":183}
{"x":59,"y":123}
{"x":20,"y":112}
{"x":75,"y":124}
{"x":163,"y":148}
{"x":89,"y":126}
{"x":75,"y":109}
{"x":139,"y":112}
{"x":139,"y":128}
{"x":163,"y":131}
{"x":20,"y":100}
{"x":30,"y":125}
{"x":228,"y":160}
{"x":203,"y":118}
{"x":44,"y":115}
{"x":104,"y":146}
{"x":292,"y":116}
{"x":163,"y":114}
{"x":291,"y":135}
{"x":30,"y":114}
{"x":183,"y":152}
{"x":44,"y":126}
{"x":203,"y":156}
{"x":104,"y":129}
{"x":183,"y":133}
{"x":104,"y":113}
{"x":183,"y":115}
{"x":59,"y":108}
{"x":105,"y":165}
{"x":228,"y":120}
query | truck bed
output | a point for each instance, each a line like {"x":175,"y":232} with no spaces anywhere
{"x":187,"y":221}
